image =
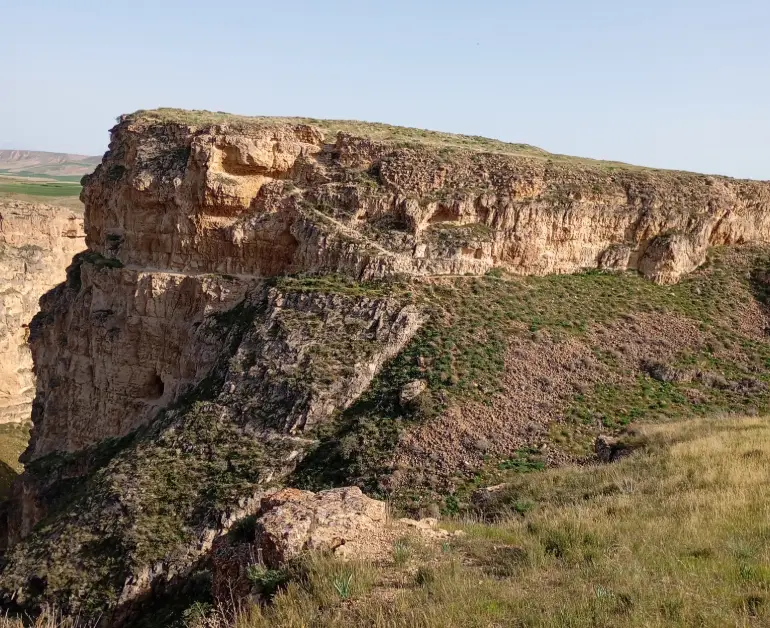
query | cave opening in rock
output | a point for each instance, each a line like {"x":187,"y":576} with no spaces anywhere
{"x":155,"y":387}
{"x":443,"y":213}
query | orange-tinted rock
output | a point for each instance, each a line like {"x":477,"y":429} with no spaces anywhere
{"x":37,"y":243}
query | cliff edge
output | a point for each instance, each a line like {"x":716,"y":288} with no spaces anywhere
{"x":292,"y":302}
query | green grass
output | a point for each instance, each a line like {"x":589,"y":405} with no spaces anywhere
{"x":339,"y":284}
{"x":461,"y":353}
{"x":66,"y":178}
{"x":674,"y":536}
{"x":472,"y":318}
{"x":40,"y":189}
{"x":13,"y":441}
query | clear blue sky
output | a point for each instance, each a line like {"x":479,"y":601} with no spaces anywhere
{"x":668,"y":83}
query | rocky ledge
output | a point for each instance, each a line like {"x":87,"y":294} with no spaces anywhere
{"x":245,"y":281}
{"x":204,"y":193}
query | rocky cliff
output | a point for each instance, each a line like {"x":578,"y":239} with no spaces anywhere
{"x":264,"y":197}
{"x":37,"y":243}
{"x":248,"y":279}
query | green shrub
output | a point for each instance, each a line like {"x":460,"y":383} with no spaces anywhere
{"x":401,"y":551}
{"x":342,"y":585}
{"x":268,"y":581}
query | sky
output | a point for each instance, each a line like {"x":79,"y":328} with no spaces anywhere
{"x":667,"y":83}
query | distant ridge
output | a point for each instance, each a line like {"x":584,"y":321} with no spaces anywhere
{"x":45,"y":163}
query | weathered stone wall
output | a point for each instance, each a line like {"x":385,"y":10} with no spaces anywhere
{"x":277,"y":197}
{"x":37,"y":243}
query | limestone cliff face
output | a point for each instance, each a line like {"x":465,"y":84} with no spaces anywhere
{"x":279,"y":362}
{"x":264,"y":197}
{"x":181,"y":373}
{"x":37,"y":243}
{"x":119,"y":347}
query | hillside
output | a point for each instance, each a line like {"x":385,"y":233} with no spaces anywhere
{"x":42,"y":163}
{"x":269,"y":303}
{"x":46,"y":178}
{"x":673,"y":535}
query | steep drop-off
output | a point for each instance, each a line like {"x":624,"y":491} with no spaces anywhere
{"x":271,"y":302}
{"x":194,"y":193}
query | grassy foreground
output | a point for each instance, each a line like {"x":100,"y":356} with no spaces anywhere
{"x":674,"y":535}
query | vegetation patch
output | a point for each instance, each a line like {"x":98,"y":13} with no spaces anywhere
{"x":674,"y":535}
{"x":13,"y":441}
{"x":340,"y":284}
{"x":463,"y":352}
{"x":41,"y":189}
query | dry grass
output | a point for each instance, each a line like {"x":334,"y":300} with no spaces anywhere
{"x":675,"y":535}
{"x":376,"y":131}
{"x":47,"y":619}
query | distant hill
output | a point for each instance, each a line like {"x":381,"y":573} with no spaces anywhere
{"x":52,"y":178}
{"x":41,"y":163}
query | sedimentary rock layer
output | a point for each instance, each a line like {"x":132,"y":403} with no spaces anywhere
{"x":37,"y":243}
{"x":270,"y":196}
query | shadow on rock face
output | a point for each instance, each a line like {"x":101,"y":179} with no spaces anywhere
{"x":7,"y":476}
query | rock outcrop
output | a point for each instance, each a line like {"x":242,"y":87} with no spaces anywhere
{"x":270,"y":196}
{"x":198,"y":452}
{"x":127,"y":342}
{"x":245,"y":281}
{"x":37,"y":243}
{"x":290,"y":523}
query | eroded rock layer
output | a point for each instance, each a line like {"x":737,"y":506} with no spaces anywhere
{"x":265,"y":197}
{"x":37,"y":243}
{"x":183,"y":374}
{"x":126,"y":343}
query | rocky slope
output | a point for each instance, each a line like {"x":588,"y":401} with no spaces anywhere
{"x":183,"y":375}
{"x":37,"y":243}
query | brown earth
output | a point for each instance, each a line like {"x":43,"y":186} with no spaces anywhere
{"x":540,"y":379}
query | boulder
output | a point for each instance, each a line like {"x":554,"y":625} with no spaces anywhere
{"x":664,"y":373}
{"x":610,"y":449}
{"x":288,"y":523}
{"x":412,"y":391}
{"x":293,"y":521}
